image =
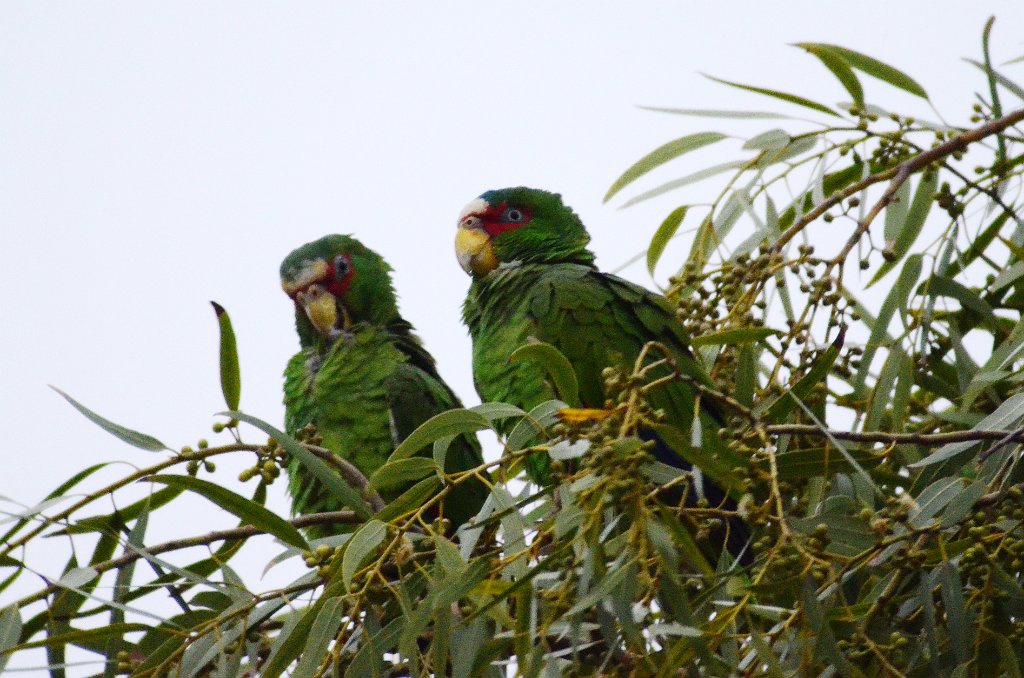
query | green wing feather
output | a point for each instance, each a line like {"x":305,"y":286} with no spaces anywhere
{"x":367,"y":395}
{"x":596,"y":320}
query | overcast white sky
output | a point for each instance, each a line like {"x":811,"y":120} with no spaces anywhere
{"x":156,"y":156}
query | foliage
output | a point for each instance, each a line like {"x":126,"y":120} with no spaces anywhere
{"x":875,"y":443}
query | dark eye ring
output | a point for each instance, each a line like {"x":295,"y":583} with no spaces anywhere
{"x":514,"y":215}
{"x":341,"y":266}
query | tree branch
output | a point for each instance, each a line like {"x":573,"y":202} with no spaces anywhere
{"x":244,"y":532}
{"x":897,"y":438}
{"x":899,"y":174}
{"x":352,"y":475}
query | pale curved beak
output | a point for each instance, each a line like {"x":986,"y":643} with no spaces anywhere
{"x":321,"y":308}
{"x":474,"y":249}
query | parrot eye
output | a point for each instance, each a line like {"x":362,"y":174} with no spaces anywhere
{"x":341,"y":266}
{"x":513,"y":215}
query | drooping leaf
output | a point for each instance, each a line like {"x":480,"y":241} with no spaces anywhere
{"x":660,"y":156}
{"x":873,"y":67}
{"x":450,"y":423}
{"x":734,"y":337}
{"x":834,"y":61}
{"x":665,"y":232}
{"x":791,"y":98}
{"x":140,"y":440}
{"x":316,"y":466}
{"x":401,"y":471}
{"x":362,"y":544}
{"x":555,"y":364}
{"x":911,"y":225}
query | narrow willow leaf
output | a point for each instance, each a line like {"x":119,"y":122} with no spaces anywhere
{"x":875,"y":68}
{"x":140,"y":440}
{"x":933,"y":499}
{"x":897,"y":298}
{"x":411,"y":499}
{"x":791,"y":98}
{"x":320,"y":635}
{"x":834,"y":61}
{"x":10,"y":632}
{"x":957,"y":620}
{"x":712,"y":113}
{"x":817,"y":623}
{"x":910,"y":228}
{"x":316,"y":466}
{"x":787,"y":402}
{"x":665,"y":232}
{"x":1010,"y":85}
{"x":660,"y":156}
{"x":288,"y":649}
{"x":450,"y":423}
{"x":534,"y":424}
{"x":555,"y":364}
{"x":896,"y":212}
{"x":230,"y":377}
{"x":495,"y":411}
{"x":402,"y":471}
{"x":362,"y":544}
{"x":770,"y":140}
{"x":249,"y":511}
{"x":1007,"y":416}
{"x":684,"y":181}
{"x":77,"y":577}
{"x":82,"y":636}
{"x":734,"y":337}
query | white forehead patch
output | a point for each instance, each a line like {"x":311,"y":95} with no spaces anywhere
{"x":475,"y":206}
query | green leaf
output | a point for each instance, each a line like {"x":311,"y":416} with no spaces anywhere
{"x":249,"y":511}
{"x":557,"y":366}
{"x":230,"y":378}
{"x":402,"y":471}
{"x":140,"y":440}
{"x":660,"y":156}
{"x":684,"y":181}
{"x":835,"y":62}
{"x":873,"y":67}
{"x":791,"y":98}
{"x":10,"y":632}
{"x":450,"y":423}
{"x":785,"y":403}
{"x":897,"y":298}
{"x":712,"y":113}
{"x":661,"y":237}
{"x":320,"y":635}
{"x":411,"y":499}
{"x":1007,"y":416}
{"x":80,"y":636}
{"x":896,"y":212}
{"x":911,"y":225}
{"x":362,"y":544}
{"x":734,"y":337}
{"x":286,"y":650}
{"x":957,"y":620}
{"x":316,"y":466}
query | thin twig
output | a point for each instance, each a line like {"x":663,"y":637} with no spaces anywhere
{"x":244,"y":532}
{"x":898,"y":438}
{"x":352,"y":475}
{"x":900,"y":173}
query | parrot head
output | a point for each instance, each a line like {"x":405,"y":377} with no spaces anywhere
{"x":519,"y":225}
{"x":336,"y":282}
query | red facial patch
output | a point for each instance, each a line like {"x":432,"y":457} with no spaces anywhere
{"x":336,"y":285}
{"x":495,"y":224}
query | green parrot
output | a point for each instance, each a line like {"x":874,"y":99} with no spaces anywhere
{"x":533,"y":277}
{"x":362,"y":377}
